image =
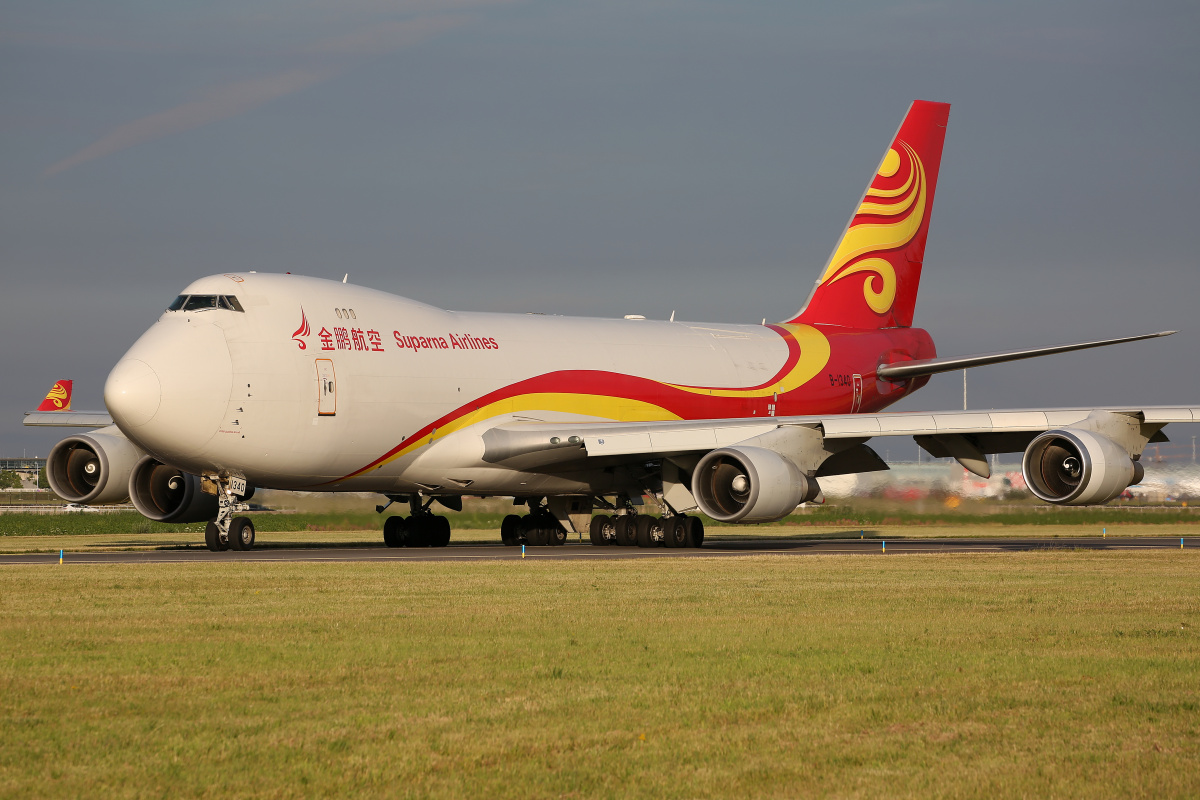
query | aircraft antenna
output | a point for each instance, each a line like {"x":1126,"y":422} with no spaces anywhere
{"x":672,"y":315}
{"x":346,"y":277}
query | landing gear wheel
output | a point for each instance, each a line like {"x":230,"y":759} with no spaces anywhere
{"x":393,"y":532}
{"x":649,"y":530}
{"x":212,"y":538}
{"x":556,"y":535}
{"x":417,"y":532}
{"x":626,"y":530}
{"x":596,"y":530}
{"x":535,"y":534}
{"x":695,"y":531}
{"x":675,"y":532}
{"x":241,"y":533}
{"x":510,"y":530}
{"x":440,"y":532}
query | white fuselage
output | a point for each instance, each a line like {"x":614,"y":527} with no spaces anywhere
{"x":321,"y":385}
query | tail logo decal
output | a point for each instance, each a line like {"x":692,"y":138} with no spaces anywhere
{"x":58,"y":398}
{"x":303,"y":330}
{"x":888,"y":218}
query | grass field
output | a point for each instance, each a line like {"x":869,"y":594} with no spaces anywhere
{"x":1065,"y":673}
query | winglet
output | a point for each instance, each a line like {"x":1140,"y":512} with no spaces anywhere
{"x":58,"y":398}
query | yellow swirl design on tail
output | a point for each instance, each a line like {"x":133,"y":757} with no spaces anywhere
{"x":869,"y":237}
{"x":882,"y":300}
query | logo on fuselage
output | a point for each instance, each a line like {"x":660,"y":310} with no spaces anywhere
{"x":303,"y":330}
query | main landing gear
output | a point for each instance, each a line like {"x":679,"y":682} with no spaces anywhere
{"x":643,"y":530}
{"x":422,"y":529}
{"x":537,"y":528}
{"x":225,"y":531}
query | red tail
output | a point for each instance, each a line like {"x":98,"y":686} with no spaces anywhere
{"x":58,"y":399}
{"x":872,"y":277}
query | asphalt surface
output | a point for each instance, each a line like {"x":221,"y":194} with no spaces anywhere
{"x":577,"y":552}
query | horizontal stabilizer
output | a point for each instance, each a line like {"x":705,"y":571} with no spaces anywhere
{"x":932,"y":366}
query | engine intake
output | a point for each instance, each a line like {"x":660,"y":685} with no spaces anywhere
{"x":1073,"y":467}
{"x":750,"y":484}
{"x":166,"y":494}
{"x":92,"y":467}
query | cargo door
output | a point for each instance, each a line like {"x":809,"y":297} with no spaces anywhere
{"x":326,"y":388}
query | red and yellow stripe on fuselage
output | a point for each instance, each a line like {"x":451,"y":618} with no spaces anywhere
{"x":817,"y":377}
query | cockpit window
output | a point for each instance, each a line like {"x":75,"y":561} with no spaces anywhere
{"x":204,"y":302}
{"x":200,"y":302}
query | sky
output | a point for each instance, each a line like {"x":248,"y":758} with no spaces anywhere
{"x":602,"y":158}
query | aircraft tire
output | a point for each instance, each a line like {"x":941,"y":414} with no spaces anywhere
{"x":241,"y":534}
{"x":556,"y":535}
{"x":596,"y":529}
{"x":674,"y":532}
{"x":417,"y":531}
{"x":535,"y":534}
{"x":393,"y":532}
{"x":212,"y":537}
{"x":510,"y":530}
{"x":695,"y":531}
{"x":626,"y":530}
{"x":441,"y":532}
{"x":645,"y":530}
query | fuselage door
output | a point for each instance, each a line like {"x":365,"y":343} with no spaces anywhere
{"x":856,"y":404}
{"x":326,"y":388}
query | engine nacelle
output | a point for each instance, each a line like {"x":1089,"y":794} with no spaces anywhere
{"x":750,"y":484}
{"x":1073,"y":467}
{"x":92,"y":467}
{"x":167,"y":494}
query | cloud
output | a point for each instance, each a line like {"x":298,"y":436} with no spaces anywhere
{"x":237,"y":98}
{"x":222,"y":103}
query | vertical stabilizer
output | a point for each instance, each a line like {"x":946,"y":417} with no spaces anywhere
{"x":872,"y":277}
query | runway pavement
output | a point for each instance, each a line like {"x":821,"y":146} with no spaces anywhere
{"x":580,"y":551}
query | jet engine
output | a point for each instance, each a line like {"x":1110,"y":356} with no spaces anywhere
{"x":92,"y":467}
{"x":750,"y":484}
{"x":1073,"y":467}
{"x":166,"y":494}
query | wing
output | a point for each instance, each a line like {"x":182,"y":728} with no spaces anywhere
{"x":68,"y":419}
{"x":967,"y":436}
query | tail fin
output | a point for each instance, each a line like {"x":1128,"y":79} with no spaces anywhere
{"x":872,"y":277}
{"x":58,"y":398}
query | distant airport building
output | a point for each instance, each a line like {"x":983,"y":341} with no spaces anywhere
{"x":22,"y":464}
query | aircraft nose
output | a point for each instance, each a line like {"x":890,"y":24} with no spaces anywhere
{"x":171,"y":390}
{"x":132,"y":393}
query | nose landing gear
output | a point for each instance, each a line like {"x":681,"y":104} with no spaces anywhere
{"x":225,"y":531}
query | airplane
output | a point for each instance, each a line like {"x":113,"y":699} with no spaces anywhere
{"x":298,"y":383}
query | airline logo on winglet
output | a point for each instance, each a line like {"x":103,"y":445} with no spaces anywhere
{"x":888,"y":218}
{"x":58,"y":398}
